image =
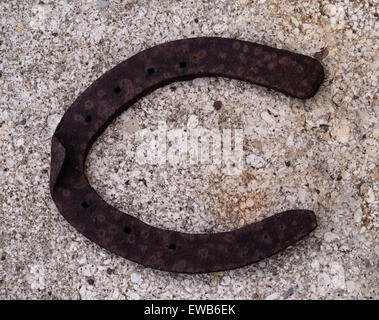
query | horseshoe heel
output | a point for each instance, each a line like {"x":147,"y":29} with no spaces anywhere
{"x":293,"y":74}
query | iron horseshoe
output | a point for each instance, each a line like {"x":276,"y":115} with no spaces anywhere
{"x":290,"y":73}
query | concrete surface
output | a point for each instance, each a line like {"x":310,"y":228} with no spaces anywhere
{"x":320,"y":154}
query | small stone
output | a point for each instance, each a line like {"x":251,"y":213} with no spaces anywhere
{"x":255,"y":161}
{"x":324,"y":127}
{"x":143,"y":180}
{"x":323,"y":53}
{"x":131,"y":126}
{"x":19,"y":142}
{"x":357,"y":217}
{"x":214,"y":281}
{"x":218,"y":28}
{"x":19,"y":27}
{"x":330,"y":236}
{"x":352,"y":286}
{"x":290,"y":291}
{"x":315,"y":264}
{"x":192,"y":122}
{"x":287,"y":163}
{"x":135,"y":278}
{"x":330,"y":10}
{"x":273,"y":296}
{"x":225,"y":280}
{"x":338,"y":99}
{"x":242,"y":205}
{"x":217,"y":105}
{"x":338,"y":275}
{"x":102,"y":4}
{"x":341,"y":133}
{"x":52,"y":121}
{"x":267,"y":118}
{"x":86,"y":272}
{"x":134,"y":296}
{"x":249,"y":203}
{"x":367,"y":263}
{"x":257,"y":144}
{"x":91,"y":282}
{"x":370,"y":196}
{"x":97,"y":68}
{"x":371,"y":151}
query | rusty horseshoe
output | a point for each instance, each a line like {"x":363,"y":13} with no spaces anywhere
{"x":293,"y":74}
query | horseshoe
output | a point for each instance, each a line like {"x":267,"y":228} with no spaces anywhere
{"x":290,"y":73}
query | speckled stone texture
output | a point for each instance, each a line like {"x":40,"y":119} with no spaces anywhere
{"x":320,"y":154}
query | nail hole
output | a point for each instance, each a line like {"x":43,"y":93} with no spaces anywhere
{"x":172,"y":246}
{"x":150,"y":70}
{"x":127,"y":230}
{"x":117,"y":90}
{"x":88,"y":118}
{"x":183,"y":64}
{"x":85,"y":205}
